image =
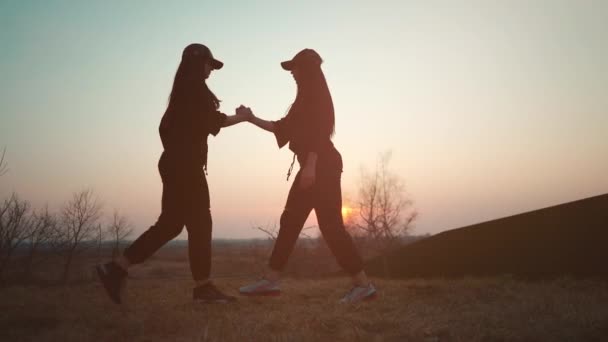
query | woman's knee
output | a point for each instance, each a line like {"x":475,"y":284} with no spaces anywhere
{"x":169,"y":227}
{"x":286,"y":217}
{"x":293,"y":217}
{"x":330,"y":219}
{"x":199,"y":221}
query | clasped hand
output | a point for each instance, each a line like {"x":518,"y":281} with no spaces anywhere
{"x":245,"y":113}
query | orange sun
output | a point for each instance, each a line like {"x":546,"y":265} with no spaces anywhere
{"x":346,"y":211}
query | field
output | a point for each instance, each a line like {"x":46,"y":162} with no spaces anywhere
{"x":159,"y":308}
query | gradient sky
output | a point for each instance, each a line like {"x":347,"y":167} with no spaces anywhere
{"x":490,"y":108}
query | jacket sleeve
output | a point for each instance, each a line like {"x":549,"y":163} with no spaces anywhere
{"x":282,"y":131}
{"x":215,"y":121}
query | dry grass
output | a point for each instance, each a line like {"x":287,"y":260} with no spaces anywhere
{"x":490,"y":309}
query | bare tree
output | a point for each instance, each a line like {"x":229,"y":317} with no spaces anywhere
{"x":302,"y":260}
{"x":79,"y":227}
{"x":120,"y":228}
{"x":43,"y":229}
{"x":14,"y":226}
{"x":385,"y":213}
{"x":270,"y":232}
{"x":3,"y":164}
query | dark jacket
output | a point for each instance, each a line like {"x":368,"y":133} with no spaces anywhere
{"x":307,"y":130}
{"x":185,"y":127}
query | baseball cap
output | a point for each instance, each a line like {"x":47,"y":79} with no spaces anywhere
{"x":306,"y":57}
{"x":196,"y":50}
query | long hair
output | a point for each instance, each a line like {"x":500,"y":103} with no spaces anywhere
{"x":313,"y":104}
{"x":189,"y":90}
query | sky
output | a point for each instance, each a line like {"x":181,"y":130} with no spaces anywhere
{"x":490,"y":108}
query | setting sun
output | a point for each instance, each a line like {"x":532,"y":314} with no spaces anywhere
{"x":346,"y":211}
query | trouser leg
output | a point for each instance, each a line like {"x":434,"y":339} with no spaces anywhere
{"x":199,"y":226}
{"x":169,"y":224}
{"x":328,"y":208}
{"x":292,"y":221}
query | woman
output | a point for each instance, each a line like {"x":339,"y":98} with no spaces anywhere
{"x":308,"y":127}
{"x":192,"y":114}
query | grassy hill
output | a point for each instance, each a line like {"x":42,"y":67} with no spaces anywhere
{"x":468,"y":309}
{"x":429,"y":306}
{"x":567,"y":239}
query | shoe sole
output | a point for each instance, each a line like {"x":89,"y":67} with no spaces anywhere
{"x":261,"y":294}
{"x":370,"y":298}
{"x":102,"y":277}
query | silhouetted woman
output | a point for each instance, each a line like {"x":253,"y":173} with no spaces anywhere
{"x":308,"y":127}
{"x":192,"y":114}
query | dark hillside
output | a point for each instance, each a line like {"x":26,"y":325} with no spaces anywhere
{"x":567,"y":239}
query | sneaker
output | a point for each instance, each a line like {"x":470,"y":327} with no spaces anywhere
{"x":208,"y":293}
{"x":359,"y":294}
{"x":262,"y":287}
{"x":113,"y":278}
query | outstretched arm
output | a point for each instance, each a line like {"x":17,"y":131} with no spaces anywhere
{"x":249,"y":116}
{"x":263,"y":124}
{"x":233,"y":120}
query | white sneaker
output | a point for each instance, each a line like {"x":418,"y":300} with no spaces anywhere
{"x":262,"y":287}
{"x":359,"y":294}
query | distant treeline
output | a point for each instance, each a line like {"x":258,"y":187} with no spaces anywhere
{"x":38,"y":253}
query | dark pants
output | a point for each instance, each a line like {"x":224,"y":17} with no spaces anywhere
{"x":325,"y":197}
{"x":185,"y":201}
